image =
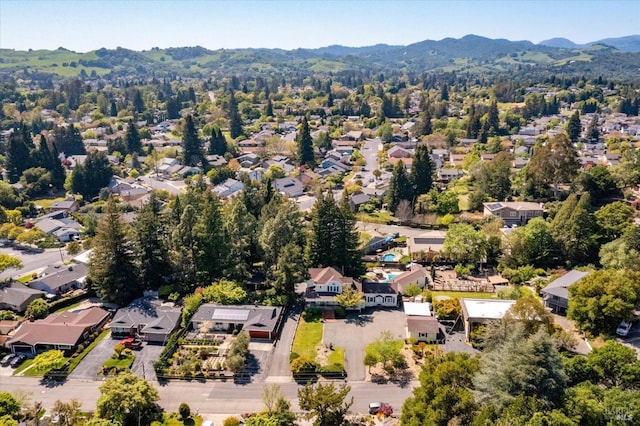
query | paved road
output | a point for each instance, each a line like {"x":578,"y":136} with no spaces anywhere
{"x":279,"y":368}
{"x":32,"y":261}
{"x":633,"y":339}
{"x":214,"y":398}
{"x":390,"y":229}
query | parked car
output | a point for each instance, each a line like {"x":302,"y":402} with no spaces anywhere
{"x":624,"y":328}
{"x":17,"y":361}
{"x":7,"y":359}
{"x":131,"y":343}
{"x":374,"y":407}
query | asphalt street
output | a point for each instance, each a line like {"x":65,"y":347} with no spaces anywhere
{"x":32,"y":261}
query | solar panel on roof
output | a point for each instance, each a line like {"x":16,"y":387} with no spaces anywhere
{"x":230,"y":314}
{"x":494,"y":206}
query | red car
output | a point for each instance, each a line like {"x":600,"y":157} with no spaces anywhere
{"x":131,"y":343}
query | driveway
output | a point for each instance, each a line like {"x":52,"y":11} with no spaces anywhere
{"x":279,"y":365}
{"x":358,"y":330}
{"x":90,"y":365}
{"x":632,"y":339}
{"x":145,"y":357}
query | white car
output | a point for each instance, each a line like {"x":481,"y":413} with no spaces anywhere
{"x":624,"y":328}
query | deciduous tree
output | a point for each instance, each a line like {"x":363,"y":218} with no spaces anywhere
{"x":325,"y":403}
{"x":128,"y":399}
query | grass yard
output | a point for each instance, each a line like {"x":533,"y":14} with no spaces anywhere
{"x":308,"y":337}
{"x":23,"y":367}
{"x":125,"y":361}
{"x":70,"y":307}
{"x":382,"y":217}
{"x":465,"y":294}
{"x":48,"y":201}
{"x":336,"y":357}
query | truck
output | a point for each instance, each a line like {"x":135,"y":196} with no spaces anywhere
{"x":131,"y":343}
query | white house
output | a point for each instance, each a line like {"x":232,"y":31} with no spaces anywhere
{"x":289,"y":186}
{"x":324,"y":284}
{"x":228,"y":188}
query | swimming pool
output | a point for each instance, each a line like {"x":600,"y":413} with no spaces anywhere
{"x":392,"y":275}
{"x":389,"y":257}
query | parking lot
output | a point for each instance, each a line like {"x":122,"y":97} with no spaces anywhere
{"x":358,"y":330}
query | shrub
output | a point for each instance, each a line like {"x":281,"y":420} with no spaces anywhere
{"x":413,"y":290}
{"x":302,"y":365}
{"x":340,"y":312}
{"x":184,"y":410}
{"x":447,"y":309}
{"x":231,"y":421}
{"x":312,"y":314}
{"x":293,"y":355}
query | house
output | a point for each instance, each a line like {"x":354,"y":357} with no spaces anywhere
{"x":67,"y":206}
{"x":261,"y":322}
{"x":519,"y":162}
{"x":6,"y":330}
{"x":399,"y":152}
{"x":64,"y":229}
{"x":62,"y":331}
{"x":288,"y":186}
{"x":248,"y":160}
{"x":426,"y":245}
{"x":514,"y":212}
{"x":416,"y":275}
{"x":228,"y":188}
{"x":482,"y":311}
{"x":417,"y":309}
{"x":378,"y":294}
{"x":423,"y":328}
{"x":253,"y":174}
{"x":16,"y":296}
{"x":59,"y":279}
{"x":358,"y":198}
{"x":447,"y":174}
{"x":147,"y":318}
{"x":324,"y":284}
{"x":308,"y":177}
{"x":556,"y":294}
{"x":216,"y":161}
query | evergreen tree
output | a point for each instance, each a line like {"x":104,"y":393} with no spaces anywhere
{"x":90,"y":177}
{"x":68,"y":140}
{"x":305,"y":144}
{"x":593,"y":132}
{"x":235,"y":121}
{"x":173,"y":108}
{"x":138,"y":102}
{"x":191,"y":144}
{"x":422,"y":169}
{"x":112,"y":268}
{"x":50,"y":161}
{"x":152,"y":248}
{"x":183,"y":253}
{"x":132,"y":138}
{"x":347,"y":241}
{"x":423,"y":127}
{"x":17,"y":160}
{"x":554,"y":163}
{"x":493,"y":119}
{"x":444,"y":93}
{"x":473,"y":123}
{"x":239,"y":226}
{"x":113,"y":110}
{"x":268,"y":111}
{"x":210,"y":238}
{"x":400,"y":187}
{"x":218,"y":143}
{"x":579,"y":236}
{"x":573,"y":127}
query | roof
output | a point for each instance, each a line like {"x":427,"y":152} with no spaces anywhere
{"x":374,"y":287}
{"x":159,"y":318}
{"x":486,"y":308}
{"x":428,"y":241}
{"x":64,"y":328}
{"x":15,"y":294}
{"x":497,"y":280}
{"x":417,"y":309}
{"x":428,"y":325}
{"x":514,"y":205}
{"x":253,"y":317}
{"x":407,"y":277}
{"x":560,"y":286}
{"x":57,"y":276}
{"x":324,"y":275}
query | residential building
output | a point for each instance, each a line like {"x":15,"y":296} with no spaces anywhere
{"x":556,"y":294}
{"x":288,"y":186}
{"x":415,"y":275}
{"x":227,"y":188}
{"x":378,"y":294}
{"x":423,"y":328}
{"x":64,"y":229}
{"x":147,"y":318}
{"x":59,"y":279}
{"x":16,"y":296}
{"x":324,"y":284}
{"x":514,"y":212}
{"x":426,"y":245}
{"x":261,"y":322}
{"x":62,"y":331}
{"x":482,"y":311}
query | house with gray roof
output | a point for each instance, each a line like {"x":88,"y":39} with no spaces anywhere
{"x":16,"y":296}
{"x":556,"y":294}
{"x":147,"y":318}
{"x":261,"y":322}
{"x":59,"y":279}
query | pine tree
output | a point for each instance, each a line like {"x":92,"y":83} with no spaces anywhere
{"x":218,"y":143}
{"x":424,"y":127}
{"x":132,"y":138}
{"x":235,"y":122}
{"x":347,"y":242}
{"x":400,"y":187}
{"x":422,"y":169}
{"x":112,"y":268}
{"x":51,"y":162}
{"x":593,"y":132}
{"x":152,"y":247}
{"x":573,"y":127}
{"x":113,"y":110}
{"x":18,"y":159}
{"x":493,"y":119}
{"x":268,"y":111}
{"x":305,"y":144}
{"x":68,"y":140}
{"x":210,"y":238}
{"x":183,"y":241}
{"x":191,"y":144}
{"x":90,"y":177}
{"x":578,"y":241}
{"x":473,"y":123}
{"x":138,"y":102}
{"x":239,"y":226}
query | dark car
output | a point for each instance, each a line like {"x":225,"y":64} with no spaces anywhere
{"x":7,"y":359}
{"x":17,"y":361}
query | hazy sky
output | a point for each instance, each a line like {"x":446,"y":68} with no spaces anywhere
{"x":91,"y":24}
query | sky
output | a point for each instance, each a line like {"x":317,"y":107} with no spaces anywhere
{"x":84,"y":25}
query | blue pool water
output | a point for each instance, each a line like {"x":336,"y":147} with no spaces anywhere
{"x":389,"y":257}
{"x":392,"y":275}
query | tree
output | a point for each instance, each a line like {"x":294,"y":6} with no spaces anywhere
{"x":47,"y":361}
{"x":493,"y":178}
{"x":600,"y":300}
{"x":553,"y":163}
{"x":400,"y":187}
{"x":191,"y":143}
{"x":599,"y":182}
{"x":90,"y":177}
{"x":305,"y":144}
{"x":463,"y":244}
{"x":385,"y":350}
{"x":522,"y":366}
{"x":112,"y":268}
{"x":218,"y":143}
{"x":17,"y":155}
{"x":350,"y":298}
{"x":289,"y":270}
{"x":239,"y":226}
{"x":224,"y":292}
{"x":326,"y":403}
{"x":577,"y":239}
{"x":128,"y":399}
{"x":132,"y":138}
{"x":185,"y":411}
{"x":447,"y":202}
{"x":615,"y":365}
{"x":7,"y":262}
{"x":210,"y":239}
{"x":422,"y":169}
{"x":235,"y":122}
{"x":573,"y":127}
{"x":184,"y":247}
{"x":150,"y":235}
{"x":37,"y":309}
{"x":618,"y":255}
{"x":68,"y":413}
{"x":613,"y":219}
{"x":532,"y":244}
{"x":9,"y":406}
{"x":493,"y":118}
{"x":444,"y":396}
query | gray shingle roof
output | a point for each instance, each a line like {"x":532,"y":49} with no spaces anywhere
{"x":560,"y":287}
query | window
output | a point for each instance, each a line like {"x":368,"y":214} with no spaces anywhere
{"x":513,"y":214}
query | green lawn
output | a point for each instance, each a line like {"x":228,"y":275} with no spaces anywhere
{"x":48,"y":201}
{"x":308,"y":337}
{"x":465,"y":294}
{"x":337,"y":357}
{"x":24,"y":367}
{"x":125,"y":361}
{"x":376,"y":217}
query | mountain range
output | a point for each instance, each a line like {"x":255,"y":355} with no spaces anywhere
{"x":472,"y":54}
